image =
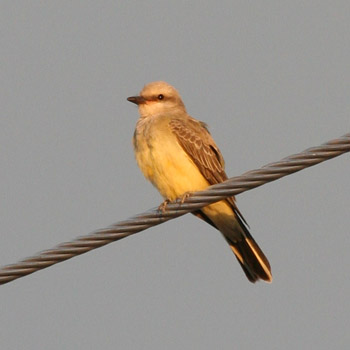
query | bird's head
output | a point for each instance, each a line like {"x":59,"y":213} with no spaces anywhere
{"x":157,"y":98}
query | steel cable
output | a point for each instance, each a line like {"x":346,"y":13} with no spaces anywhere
{"x":140,"y":222}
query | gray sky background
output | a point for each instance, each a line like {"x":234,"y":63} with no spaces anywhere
{"x":270,"y":78}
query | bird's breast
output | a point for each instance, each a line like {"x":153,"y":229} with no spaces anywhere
{"x":164,"y":162}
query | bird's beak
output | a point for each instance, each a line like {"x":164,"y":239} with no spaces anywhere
{"x":136,"y":99}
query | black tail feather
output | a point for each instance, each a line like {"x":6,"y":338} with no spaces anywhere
{"x":249,"y":255}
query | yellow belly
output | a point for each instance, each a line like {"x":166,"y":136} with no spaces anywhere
{"x":164,"y":162}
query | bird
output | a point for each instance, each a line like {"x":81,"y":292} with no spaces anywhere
{"x":178,"y":155}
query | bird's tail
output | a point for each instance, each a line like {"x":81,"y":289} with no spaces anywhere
{"x":253,"y":261}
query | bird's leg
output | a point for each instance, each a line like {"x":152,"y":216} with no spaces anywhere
{"x":185,"y":196}
{"x":163,"y":206}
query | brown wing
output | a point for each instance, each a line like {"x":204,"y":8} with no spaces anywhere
{"x":195,"y":139}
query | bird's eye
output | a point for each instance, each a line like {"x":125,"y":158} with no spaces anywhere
{"x":160,"y":97}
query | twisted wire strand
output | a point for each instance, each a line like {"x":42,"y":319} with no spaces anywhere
{"x":153,"y":217}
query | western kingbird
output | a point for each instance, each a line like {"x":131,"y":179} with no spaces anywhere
{"x":178,"y":155}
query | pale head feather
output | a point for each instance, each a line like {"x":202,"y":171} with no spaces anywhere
{"x":160,"y":98}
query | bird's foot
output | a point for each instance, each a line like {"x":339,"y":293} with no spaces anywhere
{"x":163,"y":206}
{"x":185,"y":196}
{"x":182,"y":199}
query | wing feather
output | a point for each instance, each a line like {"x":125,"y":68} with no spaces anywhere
{"x":195,"y":139}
